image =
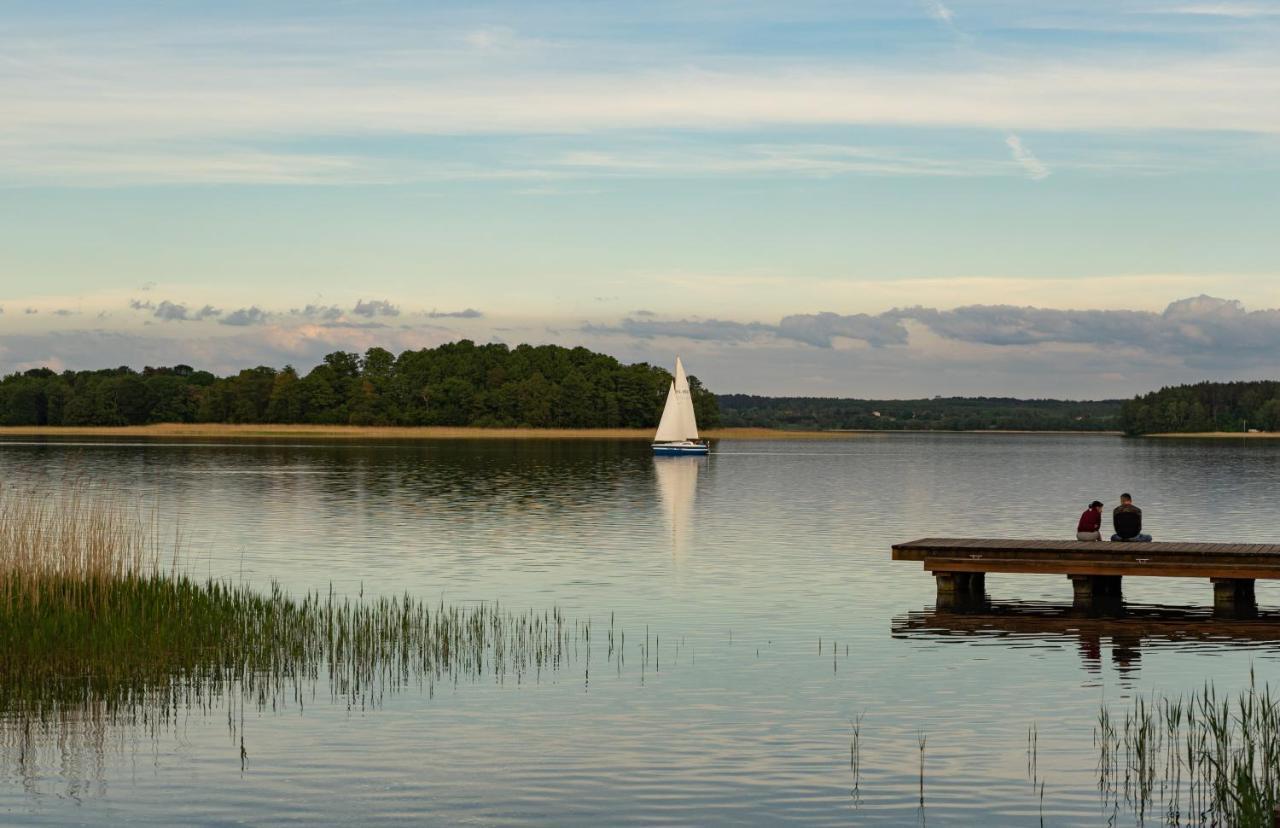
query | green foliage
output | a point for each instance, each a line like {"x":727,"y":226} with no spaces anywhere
{"x":458,"y":384}
{"x":1206,"y":406}
{"x":939,"y":413}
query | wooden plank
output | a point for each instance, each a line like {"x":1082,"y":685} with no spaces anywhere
{"x":1101,"y":566}
{"x":1045,"y":550}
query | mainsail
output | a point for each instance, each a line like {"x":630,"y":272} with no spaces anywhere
{"x":678,"y":422}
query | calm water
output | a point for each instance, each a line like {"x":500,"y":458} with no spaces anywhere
{"x":737,"y":566}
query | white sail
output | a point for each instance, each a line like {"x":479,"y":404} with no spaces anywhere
{"x":678,"y":422}
{"x":684,"y":398}
{"x":669,"y":428}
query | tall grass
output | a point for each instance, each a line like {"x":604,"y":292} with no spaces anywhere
{"x":1204,"y":759}
{"x":101,"y":626}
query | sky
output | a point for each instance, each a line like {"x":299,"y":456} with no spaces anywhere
{"x":821,"y":198}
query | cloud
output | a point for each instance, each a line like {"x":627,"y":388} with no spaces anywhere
{"x":246,"y":316}
{"x":939,"y":12}
{"x":173,"y":312}
{"x":798,"y":159}
{"x":817,"y":329}
{"x":302,"y":345}
{"x":468,"y":313}
{"x":1035,"y":169}
{"x":64,"y":312}
{"x":969,"y":349}
{"x":821,"y":329}
{"x":375,"y":307}
{"x":1200,"y":331}
{"x":323,"y":312}
{"x":1237,"y":10}
{"x":28,"y":311}
{"x":230,"y":112}
{"x":1203,"y":330}
{"x":717,"y":330}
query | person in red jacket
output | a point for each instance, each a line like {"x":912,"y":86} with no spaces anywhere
{"x":1090,"y":526}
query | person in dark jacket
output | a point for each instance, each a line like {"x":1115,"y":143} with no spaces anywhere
{"x":1090,"y":526}
{"x":1127,"y":520}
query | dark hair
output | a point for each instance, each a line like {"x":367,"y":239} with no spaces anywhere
{"x":1095,"y":504}
{"x":1126,"y":496}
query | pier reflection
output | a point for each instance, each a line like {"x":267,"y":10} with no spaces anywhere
{"x":1123,"y":630}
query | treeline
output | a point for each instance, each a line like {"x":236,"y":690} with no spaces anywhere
{"x":939,"y":413}
{"x":1206,"y":406}
{"x":458,"y":384}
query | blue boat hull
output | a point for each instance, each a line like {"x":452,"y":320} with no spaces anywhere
{"x":680,"y":449}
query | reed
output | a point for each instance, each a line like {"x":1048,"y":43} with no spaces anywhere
{"x":1203,"y":759}
{"x":102,"y":628}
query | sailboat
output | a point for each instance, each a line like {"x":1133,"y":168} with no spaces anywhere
{"x":678,"y":428}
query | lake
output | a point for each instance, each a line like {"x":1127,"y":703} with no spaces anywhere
{"x":764,"y":623}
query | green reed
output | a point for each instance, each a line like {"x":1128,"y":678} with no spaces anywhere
{"x":1203,"y":759}
{"x":99,"y":635}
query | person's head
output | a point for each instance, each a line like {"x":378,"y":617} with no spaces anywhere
{"x":1126,"y":499}
{"x":1096,"y":505}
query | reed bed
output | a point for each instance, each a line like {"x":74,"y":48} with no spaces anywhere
{"x":102,"y":628}
{"x":1204,"y":759}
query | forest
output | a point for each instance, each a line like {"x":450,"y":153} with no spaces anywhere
{"x":458,"y":384}
{"x":938,"y":413}
{"x":1205,"y":406}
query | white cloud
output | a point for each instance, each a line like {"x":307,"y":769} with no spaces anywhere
{"x":1034,"y":168}
{"x":1240,"y":10}
{"x":816,"y":160}
{"x":940,"y":12}
{"x":139,"y":109}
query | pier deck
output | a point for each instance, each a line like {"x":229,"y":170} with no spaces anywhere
{"x":1095,"y":567}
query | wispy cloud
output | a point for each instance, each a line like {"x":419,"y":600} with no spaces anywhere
{"x":1238,"y":10}
{"x":1035,"y":169}
{"x":811,"y":160}
{"x":238,"y":114}
{"x":939,"y":11}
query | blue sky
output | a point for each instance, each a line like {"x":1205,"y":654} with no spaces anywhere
{"x":836,"y":198}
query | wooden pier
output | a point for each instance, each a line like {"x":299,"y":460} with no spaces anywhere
{"x":1095,"y":568}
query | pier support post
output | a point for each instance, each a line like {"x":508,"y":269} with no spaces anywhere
{"x":1093,"y":590}
{"x":957,"y":588}
{"x":1234,"y":597}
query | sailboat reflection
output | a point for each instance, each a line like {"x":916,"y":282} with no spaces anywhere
{"x":677,"y":486}
{"x":1127,"y":630}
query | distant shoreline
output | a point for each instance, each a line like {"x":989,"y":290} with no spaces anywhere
{"x":1257,"y":435}
{"x":251,"y":431}
{"x":341,"y":432}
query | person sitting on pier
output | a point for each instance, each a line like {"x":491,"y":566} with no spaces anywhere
{"x":1090,"y":526}
{"x":1127,"y":520}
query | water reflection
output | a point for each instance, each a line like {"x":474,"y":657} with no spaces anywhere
{"x":1125,"y":629}
{"x":677,"y":480}
{"x":774,"y":544}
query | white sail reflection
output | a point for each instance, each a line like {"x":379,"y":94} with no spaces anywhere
{"x":677,"y":486}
